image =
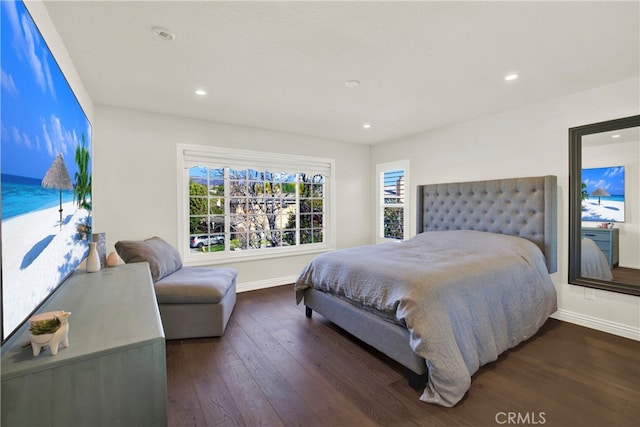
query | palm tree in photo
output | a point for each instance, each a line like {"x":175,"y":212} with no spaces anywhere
{"x":82,"y":190}
{"x":584,"y":195}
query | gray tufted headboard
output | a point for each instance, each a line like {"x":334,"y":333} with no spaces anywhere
{"x":525,"y":207}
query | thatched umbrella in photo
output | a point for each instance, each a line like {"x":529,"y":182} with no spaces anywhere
{"x":600,"y":193}
{"x":58,"y":177}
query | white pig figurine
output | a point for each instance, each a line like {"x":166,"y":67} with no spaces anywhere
{"x":60,"y":336}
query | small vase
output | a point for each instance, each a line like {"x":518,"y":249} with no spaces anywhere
{"x":93,"y":259}
{"x":101,"y":245}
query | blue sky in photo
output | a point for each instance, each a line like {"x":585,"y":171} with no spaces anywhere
{"x":610,"y":179}
{"x":39,"y":113}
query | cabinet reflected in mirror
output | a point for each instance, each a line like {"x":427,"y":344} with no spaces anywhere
{"x":604,"y":205}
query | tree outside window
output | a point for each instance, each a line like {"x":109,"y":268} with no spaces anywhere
{"x":248,"y":209}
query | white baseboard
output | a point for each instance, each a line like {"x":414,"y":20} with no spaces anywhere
{"x":262,"y":284}
{"x":596,"y":323}
{"x":636,"y":267}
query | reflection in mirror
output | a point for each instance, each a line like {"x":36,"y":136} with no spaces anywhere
{"x":604,"y":206}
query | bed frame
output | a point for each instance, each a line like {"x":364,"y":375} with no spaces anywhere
{"x":524,"y":207}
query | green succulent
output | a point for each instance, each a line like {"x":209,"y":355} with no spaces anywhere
{"x":47,"y":326}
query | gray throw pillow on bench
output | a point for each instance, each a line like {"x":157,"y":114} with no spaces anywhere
{"x":163,"y":258}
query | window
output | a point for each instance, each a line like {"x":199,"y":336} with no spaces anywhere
{"x":392,"y":181}
{"x":244,"y":204}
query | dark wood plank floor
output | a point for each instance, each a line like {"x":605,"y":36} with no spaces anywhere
{"x":629,"y":276}
{"x":275,"y":367}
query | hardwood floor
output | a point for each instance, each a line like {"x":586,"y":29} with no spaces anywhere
{"x":275,"y":367}
{"x":629,"y":276}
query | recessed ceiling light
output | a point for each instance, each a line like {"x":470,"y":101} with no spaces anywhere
{"x":366,"y":126}
{"x":163,"y":33}
{"x":512,"y":76}
{"x":615,"y":136}
{"x":352,"y":84}
{"x":201,"y":92}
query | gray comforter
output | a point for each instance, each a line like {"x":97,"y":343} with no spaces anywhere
{"x":593,"y":263}
{"x":465,"y":296}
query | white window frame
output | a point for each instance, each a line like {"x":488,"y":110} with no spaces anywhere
{"x":190,"y":155}
{"x":381,"y":168}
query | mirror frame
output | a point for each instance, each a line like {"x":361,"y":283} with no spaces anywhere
{"x":575,"y":203}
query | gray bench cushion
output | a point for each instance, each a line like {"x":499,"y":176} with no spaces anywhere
{"x":195,"y":285}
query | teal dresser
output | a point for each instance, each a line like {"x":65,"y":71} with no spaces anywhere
{"x":114,"y":371}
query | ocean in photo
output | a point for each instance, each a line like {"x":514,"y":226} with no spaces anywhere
{"x":604,"y":199}
{"x":21,"y":195}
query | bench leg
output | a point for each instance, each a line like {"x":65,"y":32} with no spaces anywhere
{"x":308,"y":312}
{"x":416,"y":381}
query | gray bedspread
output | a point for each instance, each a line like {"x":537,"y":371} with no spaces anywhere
{"x":593,"y":262}
{"x":465,"y":296}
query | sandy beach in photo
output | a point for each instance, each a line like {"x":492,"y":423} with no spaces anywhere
{"x":606,"y":211}
{"x":37,"y":254}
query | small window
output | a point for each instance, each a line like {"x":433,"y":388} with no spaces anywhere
{"x":392,"y":183}
{"x":240,"y":203}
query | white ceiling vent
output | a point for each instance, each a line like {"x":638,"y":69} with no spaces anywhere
{"x":163,"y":33}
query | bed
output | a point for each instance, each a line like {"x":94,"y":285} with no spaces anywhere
{"x":472,"y":283}
{"x":593,"y":262}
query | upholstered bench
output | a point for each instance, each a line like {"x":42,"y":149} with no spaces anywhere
{"x":193,"y":301}
{"x":196,"y":301}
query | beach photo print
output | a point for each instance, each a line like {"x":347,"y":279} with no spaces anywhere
{"x":45,"y":170}
{"x":603,"y":194}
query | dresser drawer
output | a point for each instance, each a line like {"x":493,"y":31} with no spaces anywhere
{"x":597,"y":235}
{"x":602,"y":244}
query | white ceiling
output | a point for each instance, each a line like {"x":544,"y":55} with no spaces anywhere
{"x":282,"y":65}
{"x":607,"y":138}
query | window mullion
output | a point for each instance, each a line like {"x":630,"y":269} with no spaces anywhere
{"x":227,"y":213}
{"x":208,"y":217}
{"x":298,"y":219}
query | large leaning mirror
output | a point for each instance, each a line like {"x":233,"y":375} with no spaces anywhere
{"x":604,"y":205}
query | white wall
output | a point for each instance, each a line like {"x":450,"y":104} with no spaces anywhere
{"x":625,"y":154}
{"x":135,"y":181}
{"x":529,"y":141}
